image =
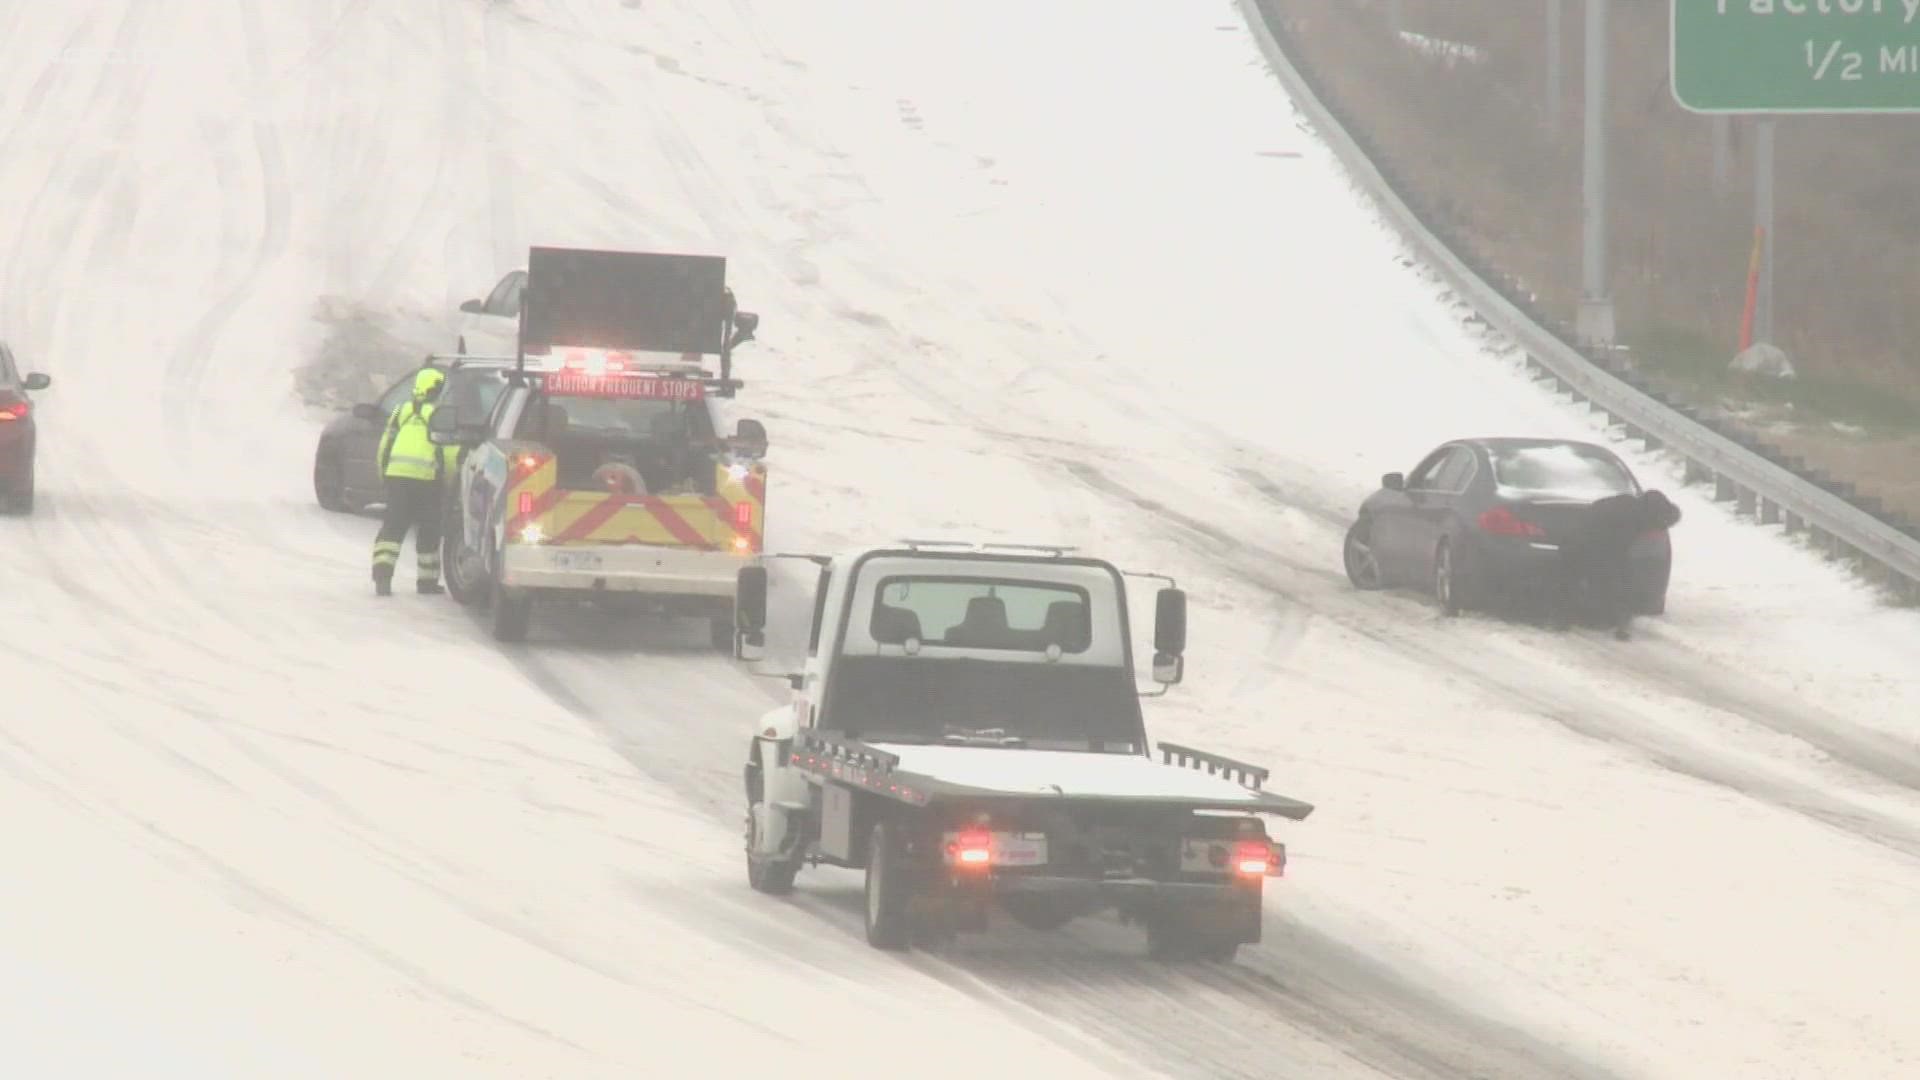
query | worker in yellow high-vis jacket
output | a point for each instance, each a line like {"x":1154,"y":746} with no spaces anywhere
{"x":415,"y":471}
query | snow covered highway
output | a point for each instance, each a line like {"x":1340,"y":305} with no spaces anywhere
{"x":1034,"y":271}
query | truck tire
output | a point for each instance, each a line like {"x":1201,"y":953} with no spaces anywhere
{"x":771,"y":876}
{"x":889,"y":889}
{"x":464,"y":590}
{"x":512,"y":609}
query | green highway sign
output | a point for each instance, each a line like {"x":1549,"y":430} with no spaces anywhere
{"x":1796,"y":56}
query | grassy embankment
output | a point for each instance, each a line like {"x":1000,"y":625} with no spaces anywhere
{"x":1470,"y":129}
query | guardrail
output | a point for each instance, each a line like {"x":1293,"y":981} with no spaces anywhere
{"x":1742,"y":469}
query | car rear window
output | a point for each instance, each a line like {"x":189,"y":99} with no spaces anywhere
{"x":1579,"y":472}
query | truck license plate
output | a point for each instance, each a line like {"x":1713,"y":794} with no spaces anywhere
{"x":1015,"y":849}
{"x":574,"y":560}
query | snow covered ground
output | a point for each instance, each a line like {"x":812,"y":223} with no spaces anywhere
{"x":1037,"y":270}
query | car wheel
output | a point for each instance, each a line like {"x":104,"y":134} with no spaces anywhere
{"x":1363,"y":565}
{"x":328,"y":482}
{"x":1446,"y":579}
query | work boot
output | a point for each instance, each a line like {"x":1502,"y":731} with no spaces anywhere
{"x":428,"y":588}
{"x":382,"y":582}
{"x":1620,"y":633}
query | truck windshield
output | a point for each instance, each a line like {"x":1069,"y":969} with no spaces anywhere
{"x":955,"y":699}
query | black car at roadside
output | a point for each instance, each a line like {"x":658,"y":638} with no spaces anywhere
{"x":346,"y":477}
{"x":1479,"y":524}
{"x":18,"y":436}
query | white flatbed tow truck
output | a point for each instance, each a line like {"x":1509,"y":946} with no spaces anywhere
{"x":967,"y":729}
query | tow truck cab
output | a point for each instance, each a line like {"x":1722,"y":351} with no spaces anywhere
{"x":967,"y":728}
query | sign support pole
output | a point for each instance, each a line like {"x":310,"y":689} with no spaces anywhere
{"x":1763,"y":223}
{"x":1555,"y":51}
{"x":1594,"y":323}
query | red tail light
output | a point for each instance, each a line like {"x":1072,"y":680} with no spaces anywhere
{"x":973,"y":847}
{"x":14,"y":410}
{"x":526,"y":503}
{"x":1501,"y":521}
{"x":1253,"y":858}
{"x":743,"y":514}
{"x":527,"y":463}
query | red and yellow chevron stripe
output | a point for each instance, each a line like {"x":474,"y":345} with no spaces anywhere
{"x":731,"y":519}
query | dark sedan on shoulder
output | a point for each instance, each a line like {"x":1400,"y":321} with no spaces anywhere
{"x":17,"y":434}
{"x":346,"y":478}
{"x":1479,"y":523}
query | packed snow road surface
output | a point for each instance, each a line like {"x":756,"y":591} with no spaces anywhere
{"x":1047,"y":271}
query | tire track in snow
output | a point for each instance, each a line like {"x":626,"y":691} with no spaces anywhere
{"x":186,"y":367}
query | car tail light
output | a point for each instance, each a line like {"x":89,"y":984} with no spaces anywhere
{"x":1501,"y":521}
{"x":526,"y":463}
{"x":973,"y":847}
{"x":1254,"y":858}
{"x":14,"y":410}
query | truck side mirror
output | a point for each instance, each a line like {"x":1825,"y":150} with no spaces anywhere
{"x":474,"y":307}
{"x":1170,"y":623}
{"x":1169,"y":636}
{"x":1394,"y":481}
{"x":750,"y":603}
{"x":750,"y":438}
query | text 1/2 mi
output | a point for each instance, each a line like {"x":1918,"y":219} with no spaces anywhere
{"x":1849,"y":66}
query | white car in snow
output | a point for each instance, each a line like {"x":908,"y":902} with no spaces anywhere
{"x":491,"y":327}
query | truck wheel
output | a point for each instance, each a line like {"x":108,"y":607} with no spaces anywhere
{"x":466,"y":590}
{"x":889,"y":890}
{"x":512,"y":609}
{"x":771,"y":876}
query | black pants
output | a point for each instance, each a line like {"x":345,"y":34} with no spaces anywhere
{"x":412,"y":505}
